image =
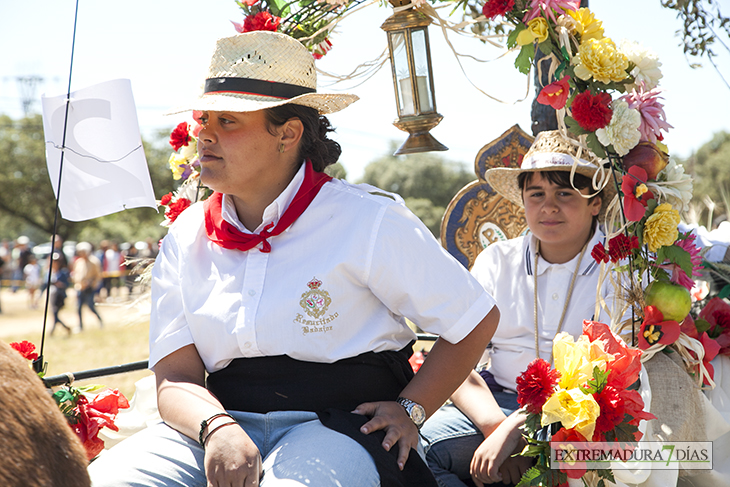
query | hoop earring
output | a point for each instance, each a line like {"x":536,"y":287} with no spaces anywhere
{"x":281,"y":148}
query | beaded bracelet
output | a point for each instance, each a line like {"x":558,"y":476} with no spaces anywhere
{"x":204,"y":424}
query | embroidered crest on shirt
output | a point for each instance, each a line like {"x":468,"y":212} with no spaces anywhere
{"x":315,"y":303}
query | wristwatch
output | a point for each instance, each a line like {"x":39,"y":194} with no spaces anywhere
{"x":415,"y":411}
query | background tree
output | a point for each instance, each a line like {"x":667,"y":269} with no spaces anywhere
{"x":427,"y":182}
{"x":27,"y":201}
{"x":710,"y":168}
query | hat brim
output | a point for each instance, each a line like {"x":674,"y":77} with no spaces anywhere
{"x":504,"y":180}
{"x":324,"y":103}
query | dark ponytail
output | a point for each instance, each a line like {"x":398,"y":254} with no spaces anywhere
{"x":314,"y":145}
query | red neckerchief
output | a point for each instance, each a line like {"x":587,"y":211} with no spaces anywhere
{"x":229,"y":237}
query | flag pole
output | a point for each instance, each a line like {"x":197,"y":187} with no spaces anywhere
{"x":38,"y":364}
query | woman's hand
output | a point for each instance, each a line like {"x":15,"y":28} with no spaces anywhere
{"x":494,"y":454}
{"x":232,"y":459}
{"x":391,"y":417}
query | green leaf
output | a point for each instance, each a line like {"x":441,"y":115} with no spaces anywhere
{"x":63,"y":395}
{"x":724,"y":292}
{"x":573,"y":126}
{"x":595,"y":146}
{"x":597,"y":383}
{"x":676,"y":255}
{"x":512,"y":38}
{"x":531,"y":474}
{"x":702,"y":325}
{"x":546,"y":47}
{"x":523,"y":63}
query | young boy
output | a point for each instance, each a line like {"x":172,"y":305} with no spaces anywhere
{"x":544,"y":283}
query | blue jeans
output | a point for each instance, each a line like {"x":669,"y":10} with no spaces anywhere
{"x":295,"y":447}
{"x":453,"y":439}
{"x":86,"y":297}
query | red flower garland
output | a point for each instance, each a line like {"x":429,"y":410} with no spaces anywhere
{"x":592,"y":112}
{"x":495,"y":8}
{"x":26,"y":349}
{"x":180,"y":136}
{"x":261,"y":21}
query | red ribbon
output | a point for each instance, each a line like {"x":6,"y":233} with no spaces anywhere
{"x":229,"y":237}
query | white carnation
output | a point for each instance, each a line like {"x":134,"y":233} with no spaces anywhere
{"x":623,"y":131}
{"x":647,"y":65}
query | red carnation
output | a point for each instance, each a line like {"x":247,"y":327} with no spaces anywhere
{"x":175,"y":208}
{"x":25,"y":348}
{"x":535,"y":385}
{"x":261,"y":21}
{"x":612,"y":411}
{"x":599,"y":253}
{"x":180,"y":136}
{"x":592,"y":112}
{"x":494,"y":8}
{"x":165,"y":200}
{"x":620,"y":247}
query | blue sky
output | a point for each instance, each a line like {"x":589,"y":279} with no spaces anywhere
{"x":164,"y":49}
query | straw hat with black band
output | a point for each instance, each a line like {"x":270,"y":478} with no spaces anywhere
{"x":259,"y":70}
{"x":551,"y":152}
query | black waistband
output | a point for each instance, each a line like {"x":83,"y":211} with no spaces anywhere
{"x":255,"y":87}
{"x":281,"y":383}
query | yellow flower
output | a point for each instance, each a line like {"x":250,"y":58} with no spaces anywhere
{"x":586,"y":24}
{"x":537,"y":30}
{"x":175,"y":162}
{"x":575,"y":360}
{"x":641,"y":189}
{"x":573,"y":409}
{"x":661,"y":227}
{"x":600,"y":60}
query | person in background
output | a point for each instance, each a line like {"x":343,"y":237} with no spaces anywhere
{"x":32,"y":274}
{"x":60,"y":281}
{"x":278,"y":332}
{"x":86,"y":277}
{"x":20,"y":256}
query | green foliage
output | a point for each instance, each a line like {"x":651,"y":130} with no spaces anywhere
{"x":27,"y":202}
{"x":337,"y":171}
{"x":711,"y":172}
{"x":427,"y":182}
{"x":597,"y":383}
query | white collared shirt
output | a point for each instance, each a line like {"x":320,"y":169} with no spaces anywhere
{"x":337,"y":283}
{"x":505,"y":269}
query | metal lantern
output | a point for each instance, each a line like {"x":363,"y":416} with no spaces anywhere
{"x":410,"y":58}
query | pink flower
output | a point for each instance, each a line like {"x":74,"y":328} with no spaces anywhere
{"x":636,"y":194}
{"x":677,"y":274}
{"x":555,"y":94}
{"x":653,"y":118}
{"x":550,"y":6}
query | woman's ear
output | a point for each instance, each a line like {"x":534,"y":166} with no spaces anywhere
{"x":291,"y":133}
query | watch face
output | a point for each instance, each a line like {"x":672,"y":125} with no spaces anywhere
{"x":418,"y":414}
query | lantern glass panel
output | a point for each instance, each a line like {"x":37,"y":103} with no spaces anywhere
{"x":406,"y":103}
{"x":420,"y":60}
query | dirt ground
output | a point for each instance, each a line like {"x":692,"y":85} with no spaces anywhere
{"x":17,"y":317}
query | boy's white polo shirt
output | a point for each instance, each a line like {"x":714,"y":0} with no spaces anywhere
{"x":338,"y":282}
{"x":505,"y":269}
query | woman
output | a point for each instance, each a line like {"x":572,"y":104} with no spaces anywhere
{"x":290,"y":290}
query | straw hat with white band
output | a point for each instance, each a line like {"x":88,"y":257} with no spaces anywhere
{"x":262,"y":69}
{"x":550,"y":152}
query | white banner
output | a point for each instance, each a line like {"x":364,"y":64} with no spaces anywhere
{"x":104,"y":166}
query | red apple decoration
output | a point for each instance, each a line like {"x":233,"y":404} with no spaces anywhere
{"x":648,"y":157}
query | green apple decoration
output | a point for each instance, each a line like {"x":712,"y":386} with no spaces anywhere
{"x":673,"y":300}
